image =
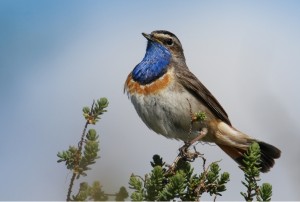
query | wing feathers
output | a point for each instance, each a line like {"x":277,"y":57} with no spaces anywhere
{"x":194,"y":86}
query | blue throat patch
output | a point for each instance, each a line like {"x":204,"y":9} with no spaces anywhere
{"x":153,"y":65}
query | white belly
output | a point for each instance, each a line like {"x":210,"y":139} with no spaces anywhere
{"x":168,"y":112}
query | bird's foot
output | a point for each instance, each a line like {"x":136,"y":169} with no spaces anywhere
{"x":185,"y":153}
{"x":184,"y":150}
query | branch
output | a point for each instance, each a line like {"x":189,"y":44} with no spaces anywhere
{"x":78,"y":154}
{"x":73,"y":157}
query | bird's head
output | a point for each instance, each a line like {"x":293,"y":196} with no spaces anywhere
{"x":164,"y":50}
{"x":166,"y":39}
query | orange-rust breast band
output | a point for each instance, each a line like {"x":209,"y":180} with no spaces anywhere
{"x":152,"y":88}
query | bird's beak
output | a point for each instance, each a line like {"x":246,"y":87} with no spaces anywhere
{"x":147,"y":36}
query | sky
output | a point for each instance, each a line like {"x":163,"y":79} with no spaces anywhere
{"x":58,"y":56}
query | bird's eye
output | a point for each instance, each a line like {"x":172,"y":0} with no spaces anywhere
{"x":169,"y":42}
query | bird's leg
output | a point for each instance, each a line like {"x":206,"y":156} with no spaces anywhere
{"x":184,"y":152}
{"x":199,"y":116}
{"x":201,"y":135}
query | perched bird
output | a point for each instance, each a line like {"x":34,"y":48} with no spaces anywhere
{"x":164,"y":93}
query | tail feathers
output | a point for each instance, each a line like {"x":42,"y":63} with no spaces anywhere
{"x":236,"y":143}
{"x":268,"y":154}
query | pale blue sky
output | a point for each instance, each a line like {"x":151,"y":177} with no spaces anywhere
{"x":57,"y":56}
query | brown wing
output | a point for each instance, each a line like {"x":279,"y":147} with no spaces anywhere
{"x":192,"y":84}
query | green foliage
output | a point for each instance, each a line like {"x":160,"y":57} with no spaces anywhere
{"x":98,"y":108}
{"x":93,"y":192}
{"x":136,"y":184}
{"x":175,"y":187}
{"x":157,"y":161}
{"x":80,"y":164}
{"x":162,"y":183}
{"x":154,"y":183}
{"x":265,"y":192}
{"x":216,"y":181}
{"x":83,"y":193}
{"x":251,"y":170}
{"x":199,"y":116}
{"x":79,"y":159}
{"x":183,"y":183}
{"x":122,"y":194}
{"x":68,"y":156}
{"x":96,"y":192}
{"x":91,"y":149}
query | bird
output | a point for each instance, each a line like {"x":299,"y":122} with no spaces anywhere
{"x":164,"y":92}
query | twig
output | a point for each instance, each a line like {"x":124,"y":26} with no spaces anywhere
{"x":70,"y":187}
{"x":204,"y":162}
{"x":78,"y":156}
{"x":192,"y":118}
{"x":215,"y":198}
{"x":138,"y":176}
{"x":202,"y":185}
